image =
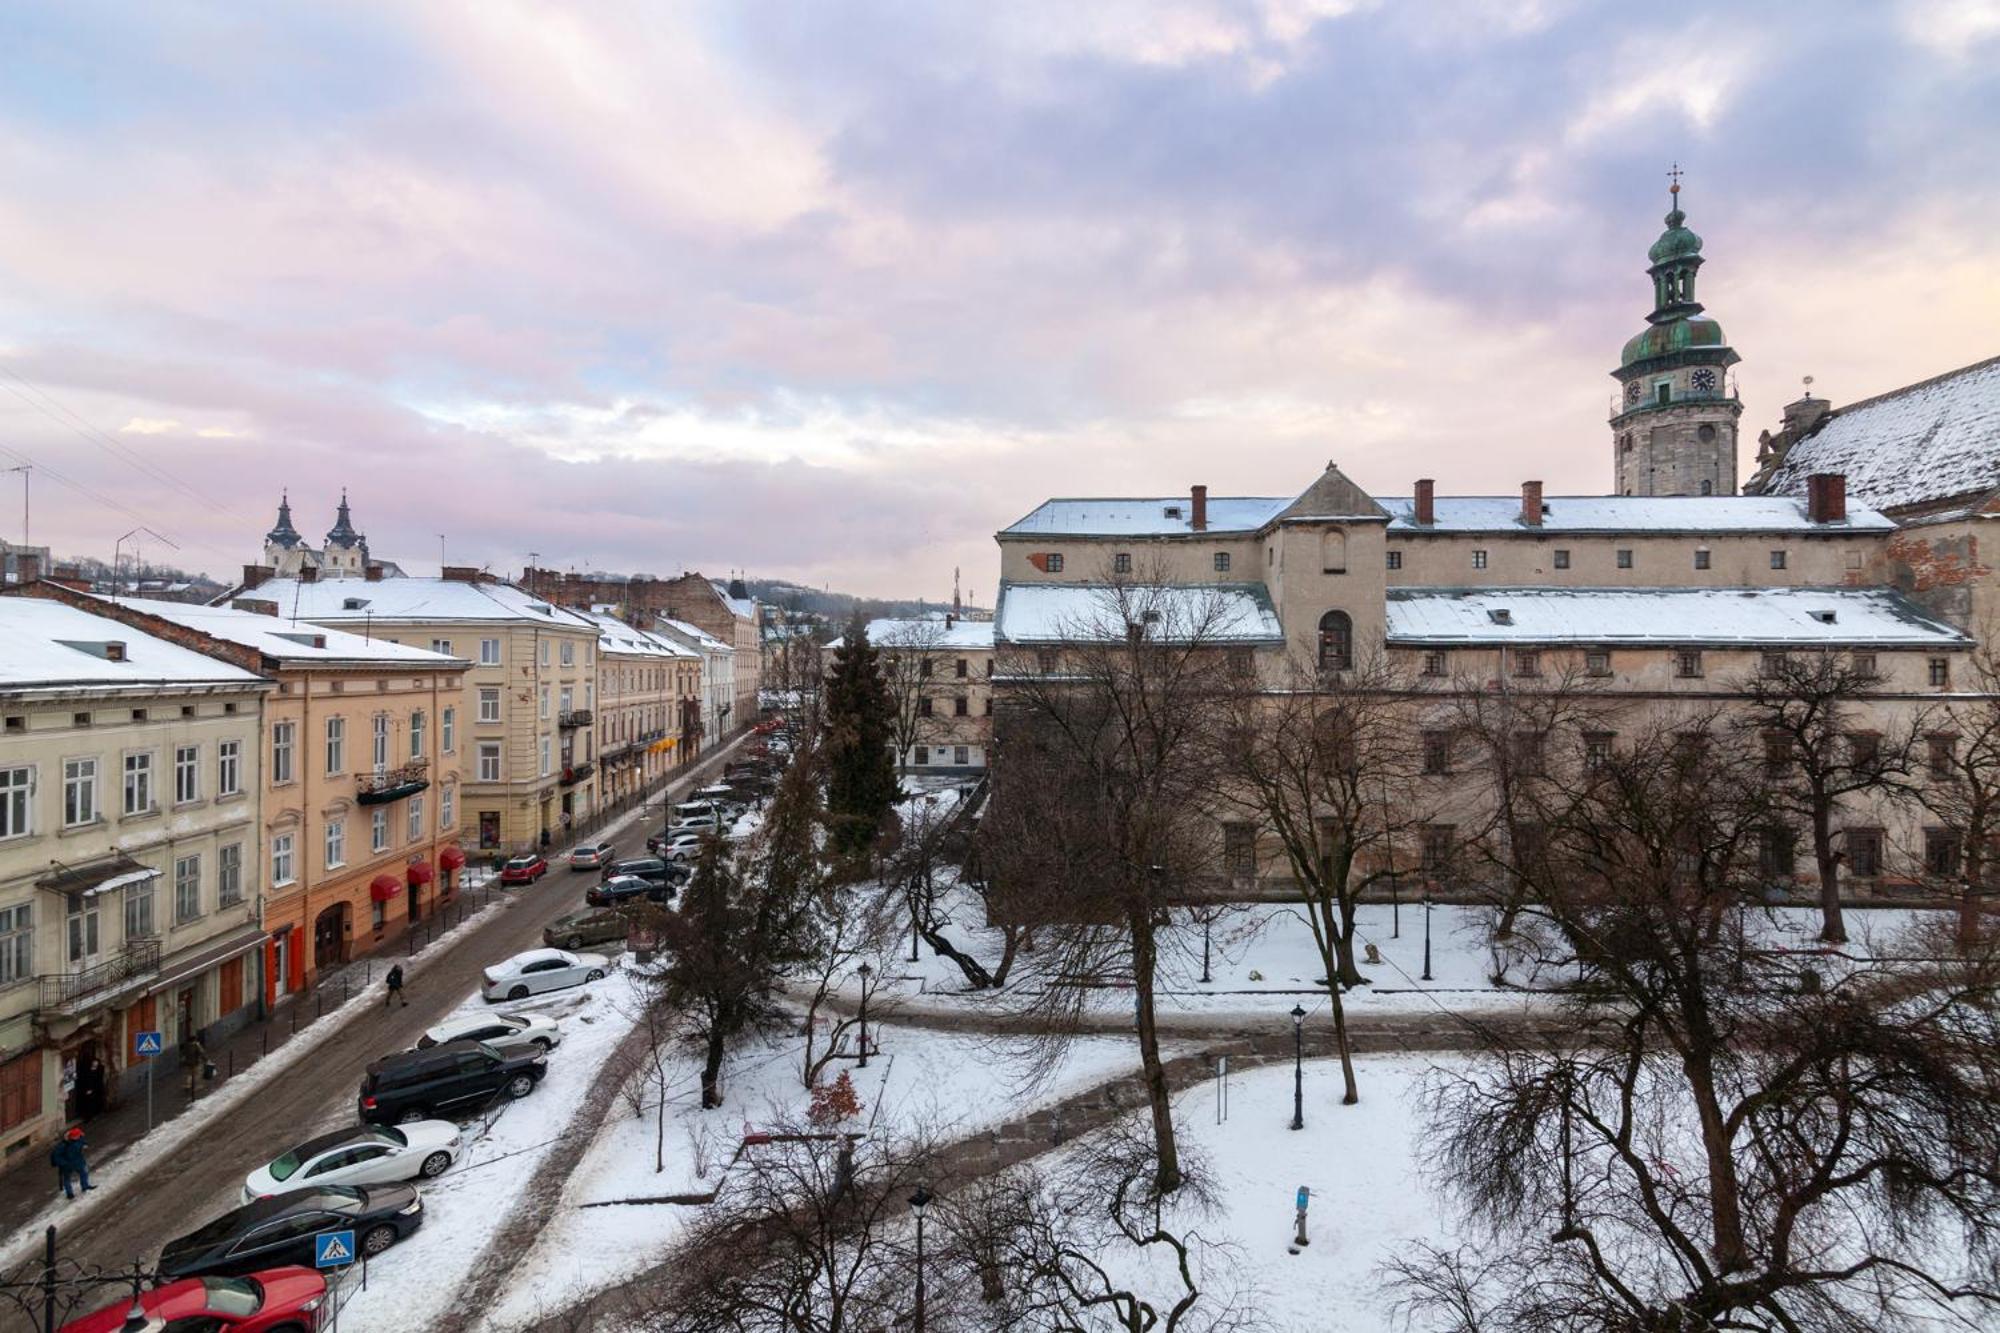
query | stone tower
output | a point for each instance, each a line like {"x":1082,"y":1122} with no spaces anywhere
{"x":1674,"y":429}
{"x":346,"y":549}
{"x":282,"y":542}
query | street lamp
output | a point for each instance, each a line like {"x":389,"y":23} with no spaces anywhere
{"x":917,"y":1202}
{"x":1395,"y":909}
{"x":1298,"y":1067}
{"x":1427,"y":931}
{"x":864,"y":970}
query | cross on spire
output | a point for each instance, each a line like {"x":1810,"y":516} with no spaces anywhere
{"x":1674,"y":174}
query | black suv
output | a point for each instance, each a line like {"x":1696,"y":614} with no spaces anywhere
{"x":621,"y":889}
{"x":456,"y":1077}
{"x":652,"y":869}
{"x":279,"y":1229}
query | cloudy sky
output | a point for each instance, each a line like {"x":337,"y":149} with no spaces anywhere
{"x":831,"y":291}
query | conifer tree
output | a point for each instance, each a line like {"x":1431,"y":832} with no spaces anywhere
{"x":861,"y":770}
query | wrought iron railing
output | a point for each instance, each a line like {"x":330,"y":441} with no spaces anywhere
{"x":576,"y":773}
{"x":69,"y":990}
{"x":575,"y":717}
{"x":393,"y":784}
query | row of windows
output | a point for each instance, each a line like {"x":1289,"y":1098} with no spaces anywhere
{"x":83,"y":932}
{"x":82,"y":798}
{"x":924,"y":755}
{"x":284,"y":743}
{"x":961,"y":668}
{"x":1688,"y":662}
{"x":382,"y":822}
{"x":1559,"y":558}
{"x":960,"y":707}
{"x":17,"y":723}
{"x":490,"y":652}
{"x":1121,"y":562}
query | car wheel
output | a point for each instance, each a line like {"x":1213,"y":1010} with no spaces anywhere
{"x":434,"y":1165}
{"x":377,"y":1239}
{"x":595,"y":974}
{"x":542,"y":1044}
{"x":520,"y":1086}
{"x":518,"y":993}
{"x":411,"y":1115}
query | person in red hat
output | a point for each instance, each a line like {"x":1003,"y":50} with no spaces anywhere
{"x":67,"y":1157}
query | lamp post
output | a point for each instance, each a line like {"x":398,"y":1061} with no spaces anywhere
{"x":1427,"y":932}
{"x":1395,"y":909}
{"x":1298,"y":1067}
{"x":864,"y":970}
{"x":917,"y":1202}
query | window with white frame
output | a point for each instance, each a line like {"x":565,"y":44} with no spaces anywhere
{"x":548,"y":765}
{"x":79,"y":792}
{"x":284,"y":739}
{"x":379,"y":755}
{"x":379,"y":829}
{"x":489,"y":761}
{"x":336,"y":843}
{"x":542,"y":704}
{"x":489,"y":704}
{"x":187,"y":774}
{"x":229,"y":768}
{"x":17,"y":943}
{"x":336,"y":744}
{"x":448,"y":730}
{"x":16,"y":787}
{"x":564,"y":700}
{"x":139,"y":921}
{"x":416,"y":818}
{"x":489,"y":652}
{"x":139,"y":783}
{"x":441,"y":646}
{"x":589,"y":695}
{"x":545,"y":652}
{"x":569,"y":652}
{"x":229,"y":875}
{"x":187,"y":889}
{"x":417,"y":724}
{"x":447,"y":809}
{"x":282,"y":870}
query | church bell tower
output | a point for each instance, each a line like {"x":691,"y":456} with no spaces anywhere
{"x":1673,"y":431}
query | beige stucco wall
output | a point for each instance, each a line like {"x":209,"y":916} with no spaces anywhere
{"x":1516,"y":559}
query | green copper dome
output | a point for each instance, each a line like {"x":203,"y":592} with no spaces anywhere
{"x":1676,"y":242}
{"x":1677,"y":335}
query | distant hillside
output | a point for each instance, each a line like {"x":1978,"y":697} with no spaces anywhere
{"x":839,"y":606}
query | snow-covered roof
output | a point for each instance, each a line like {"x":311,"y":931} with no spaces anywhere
{"x":1169,"y":516}
{"x":421,"y":600}
{"x":692,"y":634}
{"x":289,"y":641}
{"x":45,"y":643}
{"x":1694,"y":616}
{"x":1917,"y":445}
{"x":1083,"y":612}
{"x":1628,"y":514}
{"x":968,"y":634}
{"x":615,"y":636}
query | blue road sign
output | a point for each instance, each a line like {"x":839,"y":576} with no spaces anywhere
{"x":333,"y":1249}
{"x":147,"y":1043}
{"x":1305,"y":1196}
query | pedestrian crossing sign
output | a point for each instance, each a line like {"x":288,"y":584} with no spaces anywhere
{"x":333,"y":1249}
{"x":146,"y":1043}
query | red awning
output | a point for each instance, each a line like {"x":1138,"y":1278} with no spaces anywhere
{"x":420,"y":873}
{"x":451,"y":858}
{"x":384,"y":887}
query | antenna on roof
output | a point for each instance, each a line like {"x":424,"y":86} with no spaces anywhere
{"x":1809,"y":386}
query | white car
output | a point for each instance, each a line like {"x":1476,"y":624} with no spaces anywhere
{"x":359,"y":1155}
{"x":503,"y":1032}
{"x":592,"y":855}
{"x":685,"y":845}
{"x":538,"y":970}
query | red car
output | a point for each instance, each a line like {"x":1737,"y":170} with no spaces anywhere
{"x":523,"y":869}
{"x":277,"y":1300}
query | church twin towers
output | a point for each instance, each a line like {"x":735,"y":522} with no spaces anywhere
{"x":1673,"y":430}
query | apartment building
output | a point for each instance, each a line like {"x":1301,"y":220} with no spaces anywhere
{"x":940,"y":677}
{"x":648,"y":695}
{"x":129,"y":866}
{"x":709,"y":722}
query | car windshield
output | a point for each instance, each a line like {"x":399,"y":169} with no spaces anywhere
{"x":235,"y":1296}
{"x":285,"y":1167}
{"x":521,"y":862}
{"x":390,"y":1134}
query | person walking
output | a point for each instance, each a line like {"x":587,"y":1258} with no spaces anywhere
{"x":395,"y":988}
{"x":193,"y":1057}
{"x":68,"y":1160}
{"x":90,"y":1087}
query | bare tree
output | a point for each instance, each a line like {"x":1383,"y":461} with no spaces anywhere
{"x":1713,"y":1143}
{"x":1962,"y":787}
{"x":847,"y":925}
{"x":910,"y":652}
{"x":1103,"y":801}
{"x":1333,"y":771}
{"x":924,"y":843}
{"x":1812,"y":713}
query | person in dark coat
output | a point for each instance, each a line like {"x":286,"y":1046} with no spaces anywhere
{"x":395,"y":988}
{"x":90,"y":1087}
{"x":193,"y":1056}
{"x":67,"y":1157}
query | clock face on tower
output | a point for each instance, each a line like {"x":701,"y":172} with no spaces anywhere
{"x":1632,"y":391}
{"x":1703,"y":380}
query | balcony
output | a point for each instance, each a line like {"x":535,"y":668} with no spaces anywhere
{"x":575,"y":773}
{"x":572,"y":718}
{"x":75,"y":992}
{"x":392,"y":784}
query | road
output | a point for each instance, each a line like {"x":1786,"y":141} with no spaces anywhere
{"x":180,"y":1192}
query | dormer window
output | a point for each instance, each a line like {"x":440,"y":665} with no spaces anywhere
{"x":1825,"y":617}
{"x":1500,"y":615}
{"x":1171,"y":511}
{"x":111,"y":650}
{"x":354,"y":604}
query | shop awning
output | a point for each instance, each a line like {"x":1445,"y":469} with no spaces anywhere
{"x":420,"y":873}
{"x":451,"y":858}
{"x":384,"y":887}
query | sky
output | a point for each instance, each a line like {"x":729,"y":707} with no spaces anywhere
{"x":833,"y":291}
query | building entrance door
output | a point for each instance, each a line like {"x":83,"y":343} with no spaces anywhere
{"x":281,"y":965}
{"x":330,"y":938}
{"x":86,"y":943}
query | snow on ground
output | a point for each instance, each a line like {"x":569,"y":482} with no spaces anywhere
{"x":414,"y":1281}
{"x":952,"y":1084}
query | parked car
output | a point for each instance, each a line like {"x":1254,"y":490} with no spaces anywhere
{"x":458,"y":1076}
{"x":627,"y":889}
{"x":280,"y":1229}
{"x":538,"y":970}
{"x":654,"y":869}
{"x":694,"y":815}
{"x":503,"y":1032}
{"x":604,"y":926}
{"x":270,"y":1300}
{"x":683,"y":846}
{"x":524,"y":869}
{"x":358,"y":1155}
{"x":590,"y":855}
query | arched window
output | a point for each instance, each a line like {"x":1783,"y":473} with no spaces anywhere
{"x":1336,"y":641}
{"x":1708,"y":488}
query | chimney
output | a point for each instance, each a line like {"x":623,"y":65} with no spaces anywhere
{"x":1531,"y":503}
{"x":1198,"y":508}
{"x":373,"y":573}
{"x":308,"y":573}
{"x":256,"y":574}
{"x":459,"y":574}
{"x":1826,"y":497}
{"x":27,"y":568}
{"x":1803,"y":414}
{"x":1426,"y":501}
